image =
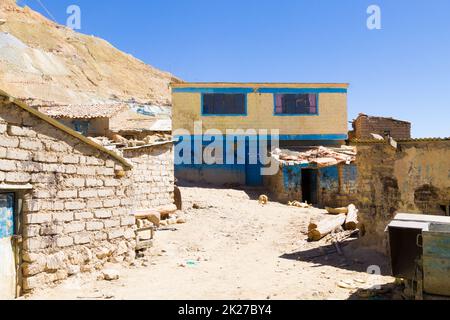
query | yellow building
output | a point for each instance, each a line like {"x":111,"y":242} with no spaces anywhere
{"x":304,"y":114}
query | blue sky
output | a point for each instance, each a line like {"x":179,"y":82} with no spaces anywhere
{"x":400,"y":71}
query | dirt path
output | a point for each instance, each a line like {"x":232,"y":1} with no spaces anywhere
{"x":234,"y":248}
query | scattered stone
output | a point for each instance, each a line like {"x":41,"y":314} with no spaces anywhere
{"x":181,"y":220}
{"x":73,"y":270}
{"x":111,"y":274}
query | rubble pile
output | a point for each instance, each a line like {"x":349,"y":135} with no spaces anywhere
{"x":116,"y":142}
{"x":320,"y":156}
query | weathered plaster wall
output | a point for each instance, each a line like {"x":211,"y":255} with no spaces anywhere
{"x":337,"y":185}
{"x":286,"y":185}
{"x":415,"y":178}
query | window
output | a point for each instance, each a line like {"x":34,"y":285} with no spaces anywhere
{"x":224,"y":104}
{"x":81,"y":126}
{"x":296,"y":104}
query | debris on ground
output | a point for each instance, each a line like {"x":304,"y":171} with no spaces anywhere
{"x":343,"y":210}
{"x":299,"y":204}
{"x":334,"y":224}
{"x":111,"y":274}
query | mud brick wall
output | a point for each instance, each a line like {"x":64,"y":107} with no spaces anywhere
{"x":286,"y":184}
{"x":414,"y":178}
{"x":77,"y":215}
{"x":337,"y":185}
{"x":152,"y":175}
{"x":364,"y":126}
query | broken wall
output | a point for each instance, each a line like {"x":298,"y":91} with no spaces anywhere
{"x":414,"y":178}
{"x":364,"y":126}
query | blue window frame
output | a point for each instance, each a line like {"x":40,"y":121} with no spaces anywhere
{"x":224,"y":104}
{"x":7,"y":204}
{"x":293,"y":104}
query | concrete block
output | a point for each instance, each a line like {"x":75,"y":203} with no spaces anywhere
{"x":7,"y":165}
{"x":75,"y":205}
{"x":102,"y":214}
{"x":82,"y":238}
{"x":114,"y":234}
{"x":63,"y":217}
{"x":17,"y":154}
{"x":64,"y":241}
{"x":83,"y":215}
{"x":94,"y":225}
{"x":45,"y":157}
{"x":74,"y":227}
{"x":67,"y":194}
{"x":39,"y":218}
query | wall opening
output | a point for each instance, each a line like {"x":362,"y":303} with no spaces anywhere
{"x":309,"y":186}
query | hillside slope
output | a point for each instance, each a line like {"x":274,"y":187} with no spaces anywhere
{"x":47,"y":64}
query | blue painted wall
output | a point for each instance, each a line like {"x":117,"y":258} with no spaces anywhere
{"x":329,"y":179}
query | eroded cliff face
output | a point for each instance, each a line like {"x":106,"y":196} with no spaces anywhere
{"x":48,"y":64}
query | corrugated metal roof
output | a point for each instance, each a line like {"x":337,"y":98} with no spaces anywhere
{"x":375,"y":141}
{"x":83,"y":111}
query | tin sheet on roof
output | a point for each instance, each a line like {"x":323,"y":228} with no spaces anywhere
{"x":316,"y":156}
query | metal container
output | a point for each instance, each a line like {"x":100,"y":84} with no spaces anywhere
{"x":436,"y":259}
{"x":420,"y":251}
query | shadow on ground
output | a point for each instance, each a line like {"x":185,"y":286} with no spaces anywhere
{"x":349,"y":256}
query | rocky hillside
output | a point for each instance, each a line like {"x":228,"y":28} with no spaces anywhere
{"x":48,"y":64}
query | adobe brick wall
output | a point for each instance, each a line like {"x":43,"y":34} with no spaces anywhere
{"x":79,"y":214}
{"x":415,"y":178}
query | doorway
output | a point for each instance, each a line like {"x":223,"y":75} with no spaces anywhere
{"x":309,"y":186}
{"x":8,"y":270}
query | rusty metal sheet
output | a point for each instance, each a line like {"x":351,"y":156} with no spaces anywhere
{"x":436,"y":259}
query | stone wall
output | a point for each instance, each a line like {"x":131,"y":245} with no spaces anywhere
{"x":414,"y":178}
{"x":152,"y":175}
{"x":77,"y":216}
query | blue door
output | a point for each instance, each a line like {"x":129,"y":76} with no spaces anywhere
{"x":253,"y":175}
{"x":7,"y":257}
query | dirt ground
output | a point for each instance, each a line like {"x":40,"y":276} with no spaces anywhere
{"x":234,"y":248}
